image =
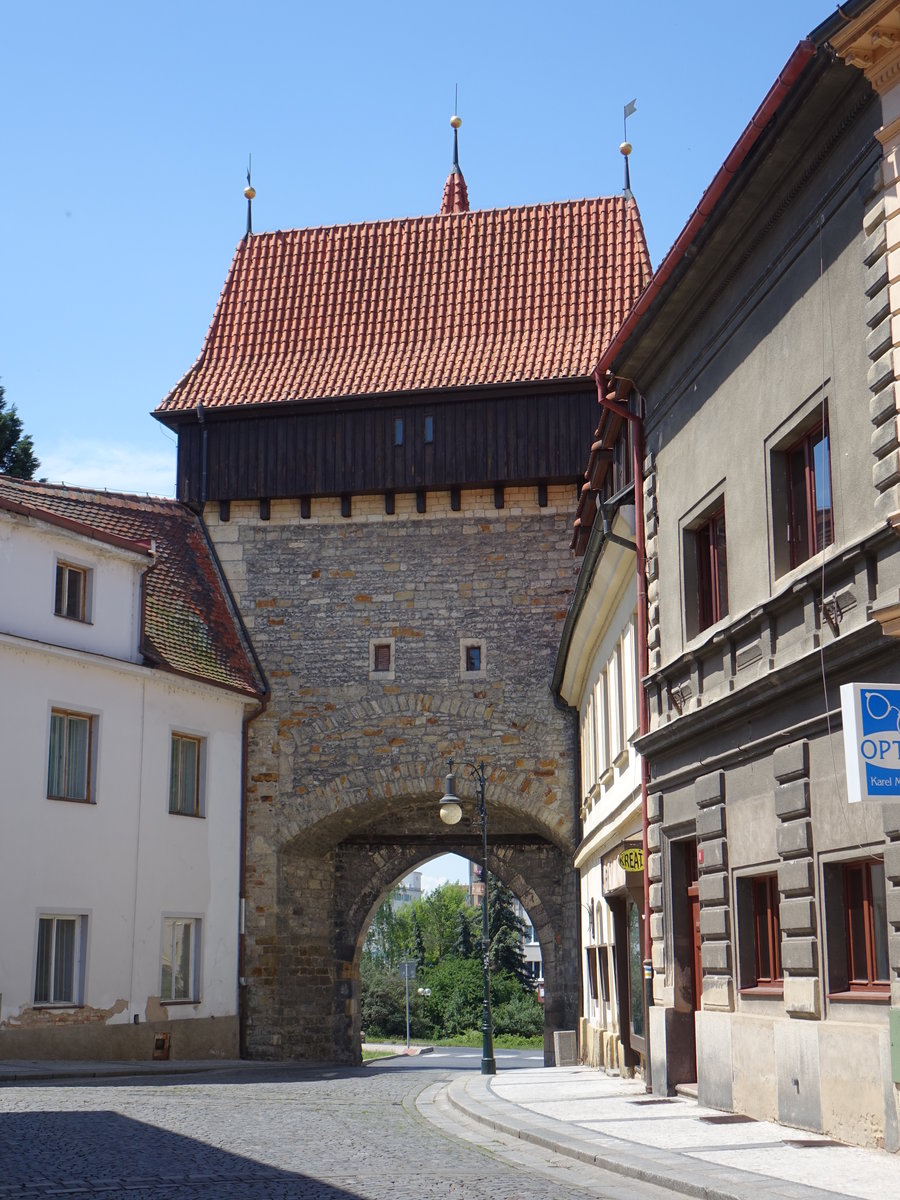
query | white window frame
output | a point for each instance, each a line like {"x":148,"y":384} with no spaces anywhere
{"x":184,"y":735}
{"x":75,"y":994}
{"x":66,"y":565}
{"x":61,"y":710}
{"x":171,"y":923}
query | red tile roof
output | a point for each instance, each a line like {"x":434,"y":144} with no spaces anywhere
{"x":190,"y":626}
{"x":456,"y":194}
{"x":448,"y":301}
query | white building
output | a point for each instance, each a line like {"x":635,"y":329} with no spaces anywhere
{"x":408,"y":890}
{"x":125,"y":681}
{"x":596,"y":672}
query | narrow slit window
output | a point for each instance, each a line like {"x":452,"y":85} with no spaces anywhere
{"x":398,"y":431}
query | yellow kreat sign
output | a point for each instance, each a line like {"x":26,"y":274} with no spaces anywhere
{"x":631,"y":859}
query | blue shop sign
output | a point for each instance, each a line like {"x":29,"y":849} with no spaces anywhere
{"x":871,"y":716}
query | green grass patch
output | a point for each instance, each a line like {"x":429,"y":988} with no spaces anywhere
{"x":369,"y":1055}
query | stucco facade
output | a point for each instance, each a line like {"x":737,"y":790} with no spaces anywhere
{"x":119,"y":917}
{"x":768,"y":500}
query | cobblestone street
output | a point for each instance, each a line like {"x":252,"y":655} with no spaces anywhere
{"x":330,"y":1134}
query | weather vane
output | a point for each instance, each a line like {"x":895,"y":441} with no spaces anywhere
{"x":625,"y":147}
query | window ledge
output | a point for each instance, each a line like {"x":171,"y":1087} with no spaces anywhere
{"x":178,"y":1003}
{"x":70,"y":800}
{"x":767,"y":991}
{"x":173,"y":812}
{"x":879,"y":995}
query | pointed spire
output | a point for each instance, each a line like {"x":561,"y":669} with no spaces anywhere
{"x":456,"y":194}
{"x":249,"y":192}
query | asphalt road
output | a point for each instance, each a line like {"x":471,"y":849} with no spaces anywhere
{"x":273,"y":1134}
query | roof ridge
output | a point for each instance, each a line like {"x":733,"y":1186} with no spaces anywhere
{"x":413,"y":218}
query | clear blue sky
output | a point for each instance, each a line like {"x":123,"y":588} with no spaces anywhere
{"x":126,"y":132}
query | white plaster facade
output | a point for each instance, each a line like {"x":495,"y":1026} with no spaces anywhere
{"x":119,"y":862}
{"x":600,"y":679}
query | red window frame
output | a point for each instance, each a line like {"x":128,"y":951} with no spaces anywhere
{"x":868,"y":966}
{"x":810,"y":502}
{"x":712,"y":570}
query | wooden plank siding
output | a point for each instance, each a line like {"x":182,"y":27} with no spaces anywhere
{"x":516,"y":438}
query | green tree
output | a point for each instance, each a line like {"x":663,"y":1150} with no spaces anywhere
{"x":505,"y":930}
{"x":386,"y":940}
{"x":467,"y":938}
{"x":17,"y":455}
{"x":438,"y":916}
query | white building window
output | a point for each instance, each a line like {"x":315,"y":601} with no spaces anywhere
{"x":59,"y":966}
{"x":186,"y":775}
{"x":70,"y":766}
{"x":179,"y":977}
{"x":73,"y":591}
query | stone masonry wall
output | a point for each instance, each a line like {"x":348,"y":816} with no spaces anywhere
{"x":345,"y":753}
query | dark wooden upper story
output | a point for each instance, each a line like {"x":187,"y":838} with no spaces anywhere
{"x":438,"y":442}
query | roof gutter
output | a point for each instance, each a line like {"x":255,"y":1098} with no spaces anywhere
{"x":791,"y":72}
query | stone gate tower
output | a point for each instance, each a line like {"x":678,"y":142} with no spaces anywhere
{"x":385,"y":433}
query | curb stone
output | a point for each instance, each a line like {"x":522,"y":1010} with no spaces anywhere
{"x":474,"y":1096}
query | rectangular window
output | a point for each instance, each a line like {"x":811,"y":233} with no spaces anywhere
{"x":593,"y":990}
{"x":864,"y":906}
{"x":69,"y":771}
{"x":603,"y":960}
{"x":471,"y":657}
{"x":602,"y":714}
{"x":180,"y":956}
{"x":711,"y":570}
{"x":759,"y":933}
{"x":382,"y":656}
{"x":185,"y":773}
{"x":810,"y":515}
{"x":71,"y":598}
{"x":59,"y":964}
{"x":429,"y":431}
{"x":857,"y":932}
{"x":398,"y":431}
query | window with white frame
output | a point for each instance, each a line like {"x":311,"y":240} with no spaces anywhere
{"x":59,"y":962}
{"x":179,"y":976}
{"x":632,"y":679}
{"x":73,"y":591}
{"x":186,"y":771}
{"x":71,"y":758}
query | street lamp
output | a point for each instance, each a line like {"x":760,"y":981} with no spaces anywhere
{"x":451,"y":812}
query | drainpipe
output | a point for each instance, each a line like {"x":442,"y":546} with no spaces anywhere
{"x":635,"y":420}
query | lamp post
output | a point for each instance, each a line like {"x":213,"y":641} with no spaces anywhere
{"x":451,"y":813}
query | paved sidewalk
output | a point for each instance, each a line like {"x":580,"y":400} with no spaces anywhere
{"x":676,"y":1143}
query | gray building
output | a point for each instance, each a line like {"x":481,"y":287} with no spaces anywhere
{"x":761,"y":365}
